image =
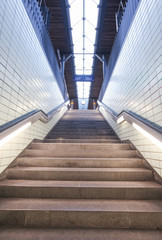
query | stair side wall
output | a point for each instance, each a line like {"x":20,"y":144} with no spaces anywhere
{"x":135,"y":83}
{"x":26,"y":79}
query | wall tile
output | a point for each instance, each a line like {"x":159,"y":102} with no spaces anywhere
{"x":136,"y":82}
{"x":26,"y":80}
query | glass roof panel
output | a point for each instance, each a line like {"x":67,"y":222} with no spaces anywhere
{"x":92,"y":17}
{"x":83,"y":16}
{"x":88,"y":71}
{"x":76,"y":11}
{"x":78,"y":71}
{"x":83,"y":89}
{"x":90,"y":32}
{"x":77,"y":33}
{"x":78,"y":61}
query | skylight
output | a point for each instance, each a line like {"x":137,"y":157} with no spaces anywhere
{"x":84,"y":16}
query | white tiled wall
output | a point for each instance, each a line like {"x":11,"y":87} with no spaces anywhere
{"x":26,"y":80}
{"x":136,"y":81}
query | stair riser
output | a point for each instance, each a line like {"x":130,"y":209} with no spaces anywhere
{"x":82,"y":141}
{"x":136,"y":163}
{"x":82,"y":137}
{"x":84,"y":176}
{"x":80,"y":193}
{"x":82,"y":131}
{"x":83,"y":120}
{"x":85,"y":153}
{"x":78,"y":117}
{"x":75,"y":219}
{"x":79,"y":127}
{"x":83,"y":134}
{"x":77,"y":234}
{"x":81,"y":146}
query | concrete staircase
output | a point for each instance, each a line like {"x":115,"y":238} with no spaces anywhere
{"x":81,"y":182}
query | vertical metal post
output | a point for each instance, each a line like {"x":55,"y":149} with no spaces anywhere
{"x":116,"y":19}
{"x":62,"y":65}
{"x":94,"y":104}
{"x":72,"y":104}
{"x":105,"y":64}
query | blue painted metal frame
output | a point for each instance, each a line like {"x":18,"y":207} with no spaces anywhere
{"x":34,"y":12}
{"x":130,"y":9}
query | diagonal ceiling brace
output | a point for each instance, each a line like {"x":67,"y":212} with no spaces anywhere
{"x":101,"y":59}
{"x":66,"y":59}
{"x":63,"y":60}
{"x":104,"y":64}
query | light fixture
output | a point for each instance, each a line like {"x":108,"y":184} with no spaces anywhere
{"x":120,"y":119}
{"x":148,"y":135}
{"x":83,"y":102}
{"x":14,"y":134}
{"x":63,"y":108}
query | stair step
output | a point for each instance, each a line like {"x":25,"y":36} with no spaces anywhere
{"x":54,"y":136}
{"x":83,"y":134}
{"x":87,"y":174}
{"x":83,"y":140}
{"x":79,"y":117}
{"x":81,"y":189}
{"x":83,"y":119}
{"x":82,"y":131}
{"x":79,"y":129}
{"x":82,"y":146}
{"x":78,"y":126}
{"x":75,"y":133}
{"x":80,"y":162}
{"x":77,"y":234}
{"x":84,"y":152}
{"x":81,"y":213}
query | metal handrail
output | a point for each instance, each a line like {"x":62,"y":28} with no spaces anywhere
{"x":31,"y":117}
{"x":133,"y":119}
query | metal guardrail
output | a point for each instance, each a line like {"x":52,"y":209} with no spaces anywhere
{"x":136,"y":122}
{"x":35,"y":15}
{"x":128,"y":14}
{"x":31,"y":118}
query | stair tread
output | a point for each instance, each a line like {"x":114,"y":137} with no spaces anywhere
{"x":82,"y":137}
{"x":83,"y":144}
{"x":84,"y":140}
{"x":85,"y":158}
{"x":81,"y":184}
{"x":97,"y":149}
{"x":102,"y":139}
{"x":80,"y":205}
{"x":73,"y":169}
{"x":78,"y":234}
